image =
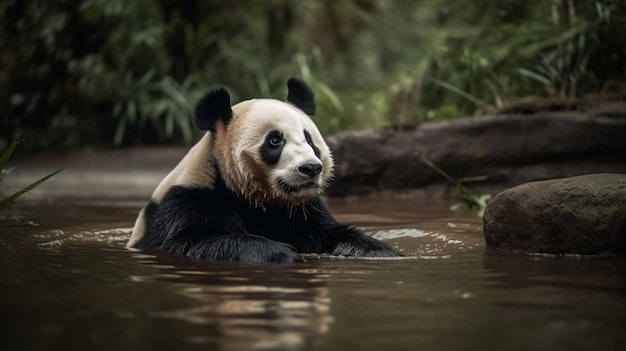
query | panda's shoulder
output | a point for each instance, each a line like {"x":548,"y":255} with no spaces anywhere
{"x":215,"y":194}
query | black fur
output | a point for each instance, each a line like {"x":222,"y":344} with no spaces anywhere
{"x":301,"y":96}
{"x":215,"y":224}
{"x":270,"y":150}
{"x":309,"y":140}
{"x":214,"y":106}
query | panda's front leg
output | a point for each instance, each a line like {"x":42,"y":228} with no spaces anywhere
{"x":349,"y":241}
{"x":320,"y":232}
{"x":248,"y":248}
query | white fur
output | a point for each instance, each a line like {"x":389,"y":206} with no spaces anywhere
{"x":248,"y":131}
{"x":190,"y":172}
{"x":138,"y":230}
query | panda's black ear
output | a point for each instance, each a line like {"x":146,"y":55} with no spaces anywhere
{"x":213,"y":107}
{"x":301,"y":96}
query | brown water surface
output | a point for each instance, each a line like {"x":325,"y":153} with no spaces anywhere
{"x":70,"y":284}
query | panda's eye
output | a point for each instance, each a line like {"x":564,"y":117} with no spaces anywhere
{"x":276,"y":141}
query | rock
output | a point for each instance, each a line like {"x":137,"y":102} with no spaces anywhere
{"x":576,"y":215}
{"x":508,"y":149}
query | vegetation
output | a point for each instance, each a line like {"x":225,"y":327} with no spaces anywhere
{"x":468,"y":198}
{"x":7,"y":201}
{"x":78,"y":73}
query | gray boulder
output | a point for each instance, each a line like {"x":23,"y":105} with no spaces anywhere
{"x":576,"y":215}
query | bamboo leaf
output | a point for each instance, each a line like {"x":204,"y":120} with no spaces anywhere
{"x":460,"y":92}
{"x":4,"y":159}
{"x":5,"y":203}
{"x":534,"y":76}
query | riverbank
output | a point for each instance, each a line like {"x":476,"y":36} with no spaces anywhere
{"x":507,"y":149}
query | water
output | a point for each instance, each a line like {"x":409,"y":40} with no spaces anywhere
{"x":71,"y":284}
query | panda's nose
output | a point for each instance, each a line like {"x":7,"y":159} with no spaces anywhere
{"x":310,"y":169}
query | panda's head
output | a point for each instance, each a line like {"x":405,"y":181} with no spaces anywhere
{"x":268,"y":151}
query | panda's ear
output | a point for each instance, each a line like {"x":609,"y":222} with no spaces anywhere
{"x":213,"y":107}
{"x":301,"y":96}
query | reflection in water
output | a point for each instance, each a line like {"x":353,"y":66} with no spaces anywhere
{"x":72,"y":285}
{"x":242,"y":306}
{"x":564,"y":302}
{"x":556,"y":271}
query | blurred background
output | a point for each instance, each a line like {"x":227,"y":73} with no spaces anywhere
{"x":111,"y":73}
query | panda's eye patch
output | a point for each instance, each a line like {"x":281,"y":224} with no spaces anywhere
{"x":272,"y":147}
{"x":309,"y":140}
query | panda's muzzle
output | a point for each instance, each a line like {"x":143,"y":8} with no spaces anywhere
{"x":307,"y":178}
{"x":291,"y":189}
{"x":310,"y":169}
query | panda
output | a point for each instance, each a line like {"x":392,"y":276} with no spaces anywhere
{"x":250,"y":189}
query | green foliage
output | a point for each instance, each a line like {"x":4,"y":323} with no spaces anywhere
{"x":530,"y":50}
{"x":113,"y":72}
{"x":7,"y":201}
{"x":467,"y":197}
